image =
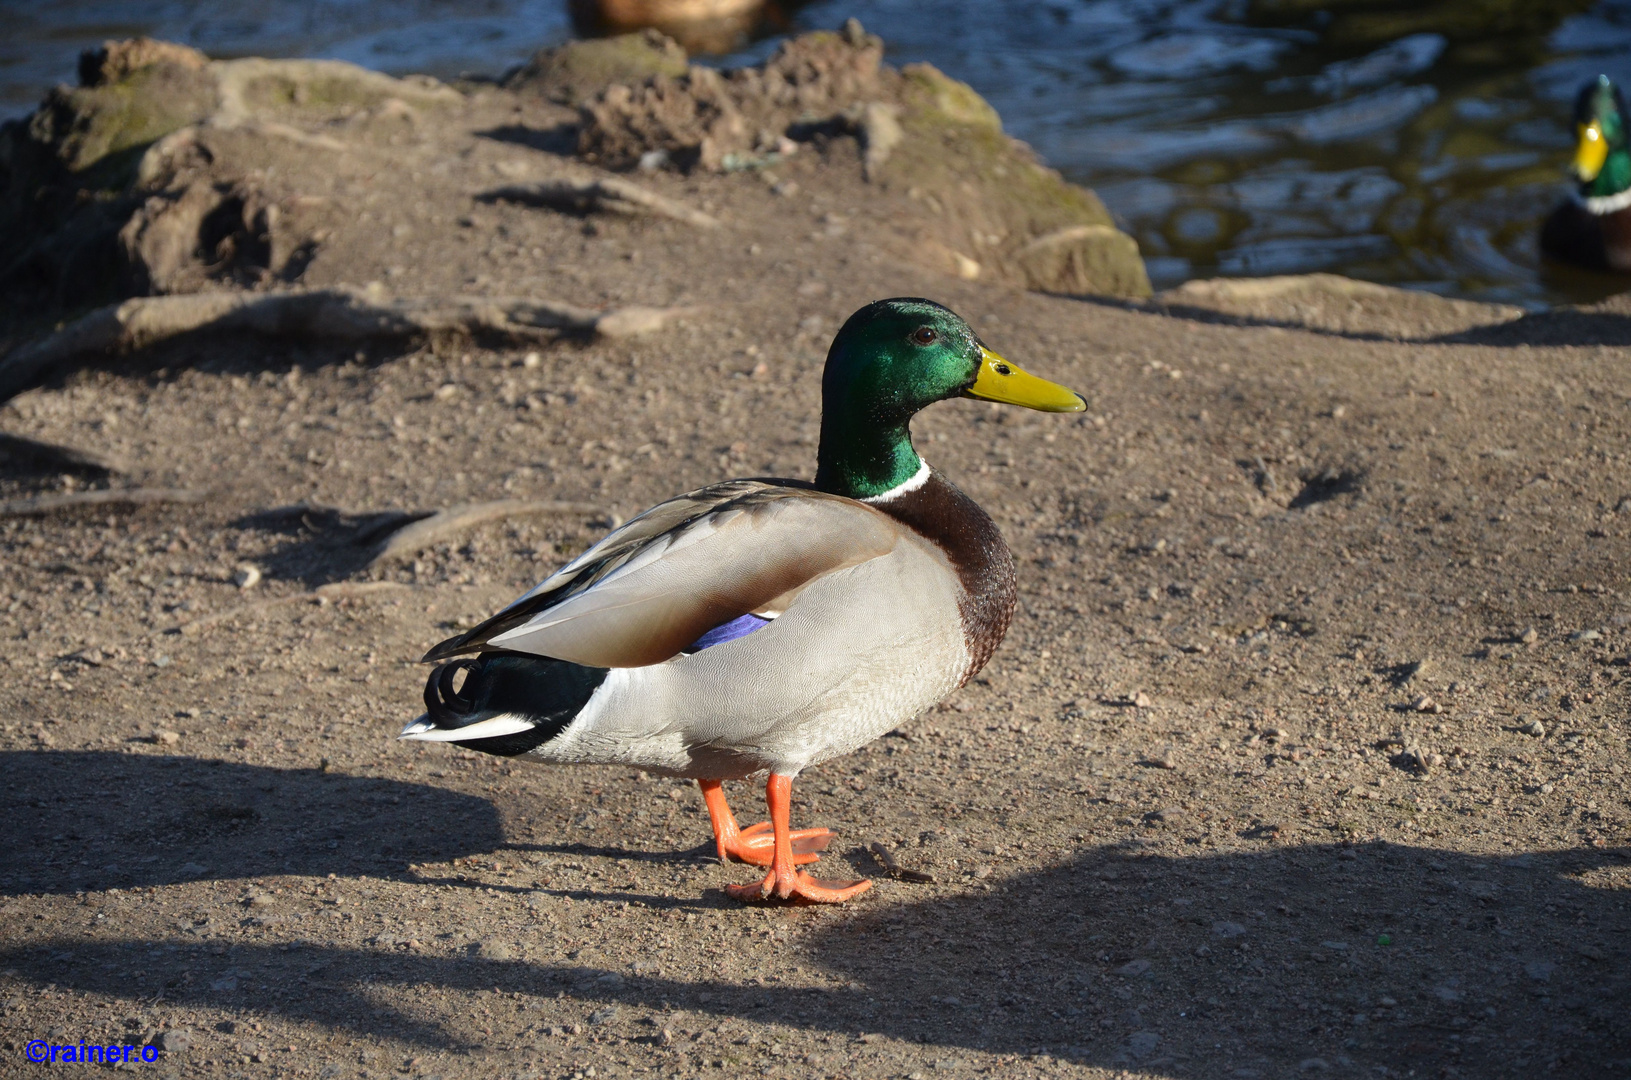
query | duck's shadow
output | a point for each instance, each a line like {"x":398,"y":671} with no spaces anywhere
{"x":1357,"y":960}
{"x":81,"y":821}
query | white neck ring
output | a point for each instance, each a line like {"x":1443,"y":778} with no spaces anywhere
{"x":918,"y":479}
{"x":1605,"y":204}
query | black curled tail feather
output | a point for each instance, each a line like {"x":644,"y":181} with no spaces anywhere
{"x":546,"y":692}
{"x":447,"y":707}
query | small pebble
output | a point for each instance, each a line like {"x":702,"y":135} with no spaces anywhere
{"x":1141,"y":700}
{"x":166,"y":738}
{"x":1529,"y":636}
{"x":1534,"y":728}
{"x":247,"y":577}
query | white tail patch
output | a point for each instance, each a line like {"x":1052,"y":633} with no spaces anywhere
{"x":490,"y":728}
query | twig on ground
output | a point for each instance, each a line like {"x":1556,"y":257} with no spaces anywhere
{"x":895,"y":869}
{"x":421,"y":534}
{"x":338,"y":314}
{"x":45,"y":504}
{"x":59,"y":458}
{"x":606,"y":194}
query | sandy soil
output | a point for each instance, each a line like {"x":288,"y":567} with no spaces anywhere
{"x":1305,"y":756}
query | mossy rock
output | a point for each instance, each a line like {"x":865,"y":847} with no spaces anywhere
{"x":97,"y":132}
{"x":1018,"y":215}
{"x":575,"y":72}
{"x":316,"y":90}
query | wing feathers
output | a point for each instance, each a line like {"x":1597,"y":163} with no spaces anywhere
{"x":656,"y":585}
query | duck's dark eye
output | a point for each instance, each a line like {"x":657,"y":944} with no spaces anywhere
{"x":925,"y":335}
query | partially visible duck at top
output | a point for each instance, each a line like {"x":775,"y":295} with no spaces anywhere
{"x":1593,"y":228}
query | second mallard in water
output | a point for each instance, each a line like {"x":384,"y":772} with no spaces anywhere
{"x":763,"y":626}
{"x":1593,"y":229}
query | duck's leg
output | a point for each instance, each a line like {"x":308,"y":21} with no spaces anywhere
{"x":785,"y":880}
{"x":756,"y":843}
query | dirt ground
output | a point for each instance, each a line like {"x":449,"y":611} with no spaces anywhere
{"x":1306,"y":755}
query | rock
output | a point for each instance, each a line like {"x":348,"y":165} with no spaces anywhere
{"x":247,"y":576}
{"x":104,"y":125}
{"x":1529,"y":636}
{"x":175,"y":1042}
{"x":494,"y":950}
{"x":921,"y":133}
{"x":603,"y":1016}
{"x":1133,"y":969}
{"x":1083,"y":259}
{"x":577,"y":71}
{"x":880,"y":131}
{"x":1534,"y":729}
{"x":166,"y":738}
{"x":1586,"y":635}
{"x":1226,"y":929}
{"x":117,"y":60}
{"x":193,"y":870}
{"x":259,"y":900}
{"x":1140,"y":700}
{"x":1141,"y":1044}
{"x":1313,"y":1064}
{"x":701,"y":116}
{"x":1540,"y":970}
{"x":183,"y":241}
{"x":1343,"y":305}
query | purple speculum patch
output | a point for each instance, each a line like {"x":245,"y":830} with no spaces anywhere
{"x":741,"y":626}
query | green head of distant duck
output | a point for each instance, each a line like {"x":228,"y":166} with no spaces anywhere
{"x":892,"y":359}
{"x":1602,"y":158}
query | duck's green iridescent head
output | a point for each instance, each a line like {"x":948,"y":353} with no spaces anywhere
{"x":1602,"y":159}
{"x":891,"y":359}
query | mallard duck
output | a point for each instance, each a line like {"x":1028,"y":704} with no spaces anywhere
{"x":763,"y":626}
{"x":1593,"y":229}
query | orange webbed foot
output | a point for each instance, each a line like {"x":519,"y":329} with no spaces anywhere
{"x":785,"y":881}
{"x":798,"y":885}
{"x":756,"y":844}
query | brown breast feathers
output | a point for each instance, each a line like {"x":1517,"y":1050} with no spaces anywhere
{"x":940,"y":513}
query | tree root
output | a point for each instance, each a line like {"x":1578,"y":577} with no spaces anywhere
{"x":421,"y":534}
{"x":339,"y":590}
{"x":40,"y":505}
{"x":50,"y":456}
{"x":336,"y":314}
{"x":607,"y":194}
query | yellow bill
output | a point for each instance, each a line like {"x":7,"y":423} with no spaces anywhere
{"x":998,"y":380}
{"x":1591,"y":153}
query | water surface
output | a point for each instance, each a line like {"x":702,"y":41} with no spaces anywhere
{"x":1231,"y":138}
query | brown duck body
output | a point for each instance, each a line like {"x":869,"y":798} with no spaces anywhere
{"x":1574,"y":235}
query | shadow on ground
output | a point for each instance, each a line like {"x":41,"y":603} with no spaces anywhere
{"x":1373,"y":960}
{"x":90,"y":821}
{"x":1549,"y":328}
